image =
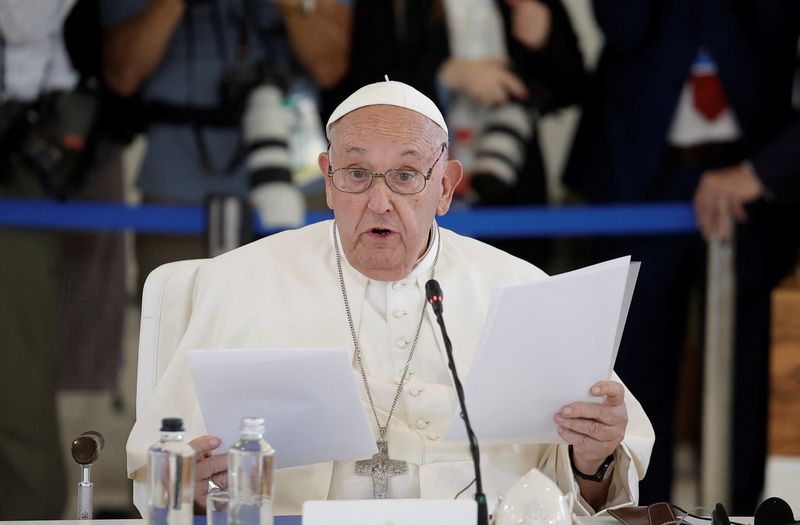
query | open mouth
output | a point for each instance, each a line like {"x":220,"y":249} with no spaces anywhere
{"x":381,"y":231}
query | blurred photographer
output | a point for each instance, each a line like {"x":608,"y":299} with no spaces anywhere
{"x":34,"y":67}
{"x":62,"y":293}
{"x":213,"y":76}
{"x":510,"y":62}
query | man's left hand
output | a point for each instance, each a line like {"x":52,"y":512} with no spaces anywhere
{"x":594,"y":430}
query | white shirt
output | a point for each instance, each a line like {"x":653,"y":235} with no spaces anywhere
{"x":689,"y":126}
{"x":34,"y":58}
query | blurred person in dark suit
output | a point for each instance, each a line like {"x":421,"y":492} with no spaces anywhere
{"x":683,"y":89}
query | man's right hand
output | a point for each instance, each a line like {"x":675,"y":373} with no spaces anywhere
{"x":208,"y":467}
{"x":723,"y":194}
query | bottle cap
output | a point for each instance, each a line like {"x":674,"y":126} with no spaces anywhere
{"x":172,"y":424}
{"x":252,"y":425}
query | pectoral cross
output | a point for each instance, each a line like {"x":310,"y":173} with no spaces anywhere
{"x":380,"y":467}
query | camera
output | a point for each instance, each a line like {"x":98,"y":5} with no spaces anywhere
{"x":257,"y":92}
{"x":52,"y":136}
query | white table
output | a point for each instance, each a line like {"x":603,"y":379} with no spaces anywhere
{"x":295,"y":520}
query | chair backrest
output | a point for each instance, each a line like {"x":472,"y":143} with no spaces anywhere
{"x":166,"y":308}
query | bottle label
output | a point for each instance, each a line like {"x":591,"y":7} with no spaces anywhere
{"x":158,"y":516}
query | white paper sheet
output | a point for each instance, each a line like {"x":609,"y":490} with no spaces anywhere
{"x":627,"y":297}
{"x":302,"y":393}
{"x":543,"y":345}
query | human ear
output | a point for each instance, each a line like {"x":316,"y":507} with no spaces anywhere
{"x":324,"y":163}
{"x":453,"y":173}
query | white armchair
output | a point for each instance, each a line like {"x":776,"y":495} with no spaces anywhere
{"x":166,"y":308}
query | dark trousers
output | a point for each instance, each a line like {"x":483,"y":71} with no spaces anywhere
{"x":62,"y":300}
{"x":655,"y":335}
{"x":32,"y":483}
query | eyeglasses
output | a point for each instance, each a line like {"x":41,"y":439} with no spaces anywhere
{"x":402,"y":181}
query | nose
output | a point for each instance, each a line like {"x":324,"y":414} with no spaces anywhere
{"x":379,"y":196}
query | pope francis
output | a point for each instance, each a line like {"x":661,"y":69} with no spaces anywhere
{"x":359,"y":282}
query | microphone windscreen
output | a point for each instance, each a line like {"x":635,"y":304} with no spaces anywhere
{"x":432,"y":289}
{"x":84,"y":450}
{"x":85,"y":447}
{"x":773,"y":511}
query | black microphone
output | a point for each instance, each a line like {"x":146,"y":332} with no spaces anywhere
{"x":433,"y":292}
{"x":85,"y":449}
{"x":774,"y":511}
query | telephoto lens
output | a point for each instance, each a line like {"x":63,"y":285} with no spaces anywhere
{"x":500,"y":152}
{"x":266,"y":125}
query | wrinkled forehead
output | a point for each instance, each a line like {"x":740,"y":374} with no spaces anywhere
{"x":387,"y":125}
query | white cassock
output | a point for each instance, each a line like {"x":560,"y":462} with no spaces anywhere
{"x":284,"y":291}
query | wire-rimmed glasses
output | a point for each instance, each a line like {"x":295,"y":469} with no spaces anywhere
{"x":400,"y":180}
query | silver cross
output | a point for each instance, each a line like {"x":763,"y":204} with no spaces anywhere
{"x":380,"y":467}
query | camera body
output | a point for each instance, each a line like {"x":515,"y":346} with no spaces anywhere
{"x":52,"y":136}
{"x":257,"y":93}
{"x":236,"y":82}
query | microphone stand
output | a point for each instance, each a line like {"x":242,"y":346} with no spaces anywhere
{"x":85,"y":450}
{"x":434,"y":295}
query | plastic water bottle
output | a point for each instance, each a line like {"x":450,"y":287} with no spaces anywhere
{"x":250,"y":466}
{"x":171,"y":477}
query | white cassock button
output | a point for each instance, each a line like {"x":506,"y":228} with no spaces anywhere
{"x":401,"y":342}
{"x":399,"y":313}
{"x":433,"y":436}
{"x":422,"y":423}
{"x":399,"y":285}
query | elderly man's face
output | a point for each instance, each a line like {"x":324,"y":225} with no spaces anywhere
{"x":384,"y":233}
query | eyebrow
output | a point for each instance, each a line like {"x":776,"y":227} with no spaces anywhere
{"x":355,"y":149}
{"x":406,"y":153}
{"x":412,"y":153}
